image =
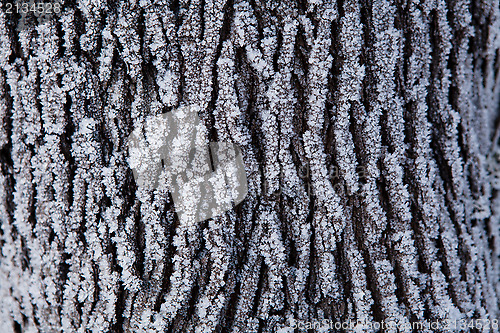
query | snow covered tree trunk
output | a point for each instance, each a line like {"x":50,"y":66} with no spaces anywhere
{"x":369,"y":131}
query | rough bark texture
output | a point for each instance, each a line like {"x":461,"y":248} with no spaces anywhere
{"x":370,"y":136}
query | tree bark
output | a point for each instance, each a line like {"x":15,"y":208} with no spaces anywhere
{"x":369,"y":131}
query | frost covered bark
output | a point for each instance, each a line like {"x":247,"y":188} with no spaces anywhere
{"x":370,"y":134}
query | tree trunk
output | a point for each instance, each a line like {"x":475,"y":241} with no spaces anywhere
{"x":369,"y":132}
